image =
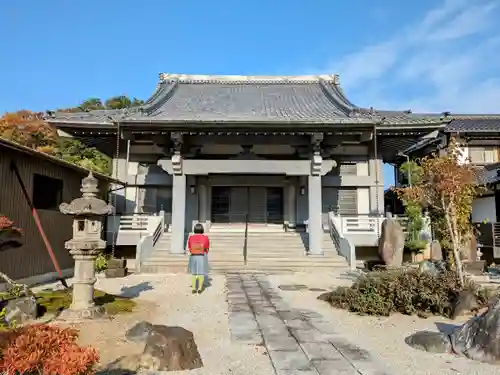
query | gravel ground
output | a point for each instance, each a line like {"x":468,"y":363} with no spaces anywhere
{"x":382,"y":337}
{"x":205,"y":315}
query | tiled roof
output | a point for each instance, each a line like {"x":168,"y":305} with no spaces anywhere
{"x":248,"y":99}
{"x":489,"y":174}
{"x":474,"y":124}
{"x":95,"y":117}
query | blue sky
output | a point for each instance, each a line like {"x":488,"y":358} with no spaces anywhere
{"x":427,"y":55}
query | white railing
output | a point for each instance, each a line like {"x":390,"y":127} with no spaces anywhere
{"x":344,"y":246}
{"x":361,"y":224}
{"x":128,"y":229}
{"x":367,"y":224}
{"x":134,"y":222}
{"x":146,"y":244}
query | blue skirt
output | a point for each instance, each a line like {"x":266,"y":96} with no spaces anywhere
{"x":198,"y":265}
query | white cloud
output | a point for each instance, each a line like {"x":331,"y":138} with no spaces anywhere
{"x":380,"y":58}
{"x":446,"y":60}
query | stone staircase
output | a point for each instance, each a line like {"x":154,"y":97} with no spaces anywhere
{"x":266,"y":252}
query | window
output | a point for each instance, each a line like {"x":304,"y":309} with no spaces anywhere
{"x":483,"y":155}
{"x":347,"y":201}
{"x":47,"y":192}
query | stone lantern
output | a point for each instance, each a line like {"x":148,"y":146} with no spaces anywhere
{"x":86,"y":244}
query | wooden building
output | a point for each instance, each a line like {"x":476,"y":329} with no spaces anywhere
{"x":49,"y":181}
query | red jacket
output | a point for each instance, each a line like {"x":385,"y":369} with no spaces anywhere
{"x":198,"y":244}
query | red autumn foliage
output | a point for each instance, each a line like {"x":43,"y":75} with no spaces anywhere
{"x":45,"y":350}
{"x":28,"y":129}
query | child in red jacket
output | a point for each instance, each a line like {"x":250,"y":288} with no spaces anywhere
{"x":198,"y":246}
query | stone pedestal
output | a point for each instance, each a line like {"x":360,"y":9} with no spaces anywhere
{"x":82,"y":304}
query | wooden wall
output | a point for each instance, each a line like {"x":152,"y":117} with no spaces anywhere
{"x":32,"y":258}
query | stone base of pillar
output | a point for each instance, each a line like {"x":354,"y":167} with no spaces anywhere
{"x":74,"y":315}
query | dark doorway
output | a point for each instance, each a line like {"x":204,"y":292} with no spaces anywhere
{"x":257,"y":205}
{"x":220,"y":204}
{"x":274,"y":205}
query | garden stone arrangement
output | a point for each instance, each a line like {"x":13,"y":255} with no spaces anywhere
{"x":19,"y":305}
{"x":477,"y":339}
{"x":430,"y":290}
{"x":165,"y":349}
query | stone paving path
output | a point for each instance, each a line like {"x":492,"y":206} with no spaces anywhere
{"x":297,"y":341}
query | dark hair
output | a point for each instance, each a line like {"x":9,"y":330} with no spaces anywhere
{"x":198,"y":229}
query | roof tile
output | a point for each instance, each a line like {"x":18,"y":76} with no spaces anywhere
{"x":475,"y":124}
{"x":286,"y":99}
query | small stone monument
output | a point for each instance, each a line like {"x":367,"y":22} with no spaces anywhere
{"x":391,"y":242}
{"x":86,"y":244}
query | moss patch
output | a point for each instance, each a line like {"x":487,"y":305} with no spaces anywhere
{"x":52,"y":301}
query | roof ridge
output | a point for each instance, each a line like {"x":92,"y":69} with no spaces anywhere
{"x":475,"y":117}
{"x":239,"y":79}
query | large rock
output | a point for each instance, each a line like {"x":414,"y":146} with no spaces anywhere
{"x":434,"y":342}
{"x":166,"y":349}
{"x":479,"y":338}
{"x":20,"y":310}
{"x":170,"y":349}
{"x":391,"y":243}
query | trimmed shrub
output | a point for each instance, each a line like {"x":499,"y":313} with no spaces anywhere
{"x":405,"y":291}
{"x":45,"y":350}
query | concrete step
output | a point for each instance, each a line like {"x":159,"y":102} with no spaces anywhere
{"x":151,"y":269}
{"x":292,"y":247}
{"x":262,"y":258}
{"x":253,"y":268}
{"x":254,"y":251}
{"x":268,"y":252}
{"x":327,"y":257}
{"x":305,"y":261}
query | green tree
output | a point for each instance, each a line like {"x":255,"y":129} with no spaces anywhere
{"x":448,"y":187}
{"x":118,"y":102}
{"x":76,"y":152}
{"x":30,"y":129}
{"x":91,"y":104}
{"x":122,"y":101}
{"x":413,"y":208}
